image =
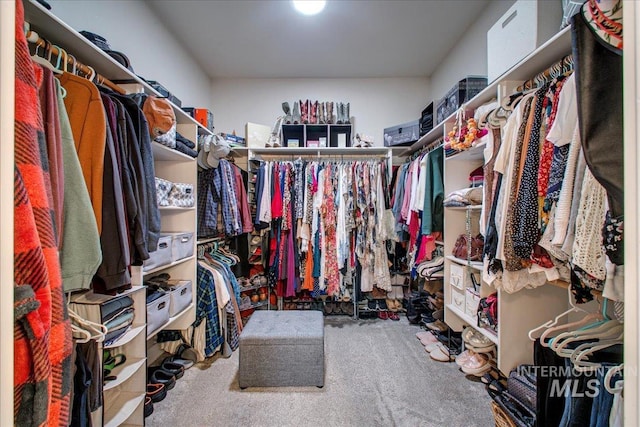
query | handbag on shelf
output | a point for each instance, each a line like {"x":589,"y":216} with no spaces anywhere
{"x":488,"y":312}
{"x":461,"y":247}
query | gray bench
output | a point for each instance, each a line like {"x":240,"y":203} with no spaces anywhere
{"x":282,"y":348}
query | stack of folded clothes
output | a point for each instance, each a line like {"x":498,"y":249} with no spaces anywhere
{"x":117,"y":316}
{"x":465,"y":197}
{"x":433,"y":269}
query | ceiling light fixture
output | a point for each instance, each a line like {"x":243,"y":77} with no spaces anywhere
{"x":309,"y":7}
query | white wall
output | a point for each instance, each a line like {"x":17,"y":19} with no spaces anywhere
{"x":469,"y":56}
{"x":131,"y":27}
{"x":375,"y":103}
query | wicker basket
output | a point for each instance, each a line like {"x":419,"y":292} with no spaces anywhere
{"x":501,"y":417}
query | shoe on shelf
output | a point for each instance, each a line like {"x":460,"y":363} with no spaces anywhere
{"x":288,"y":118}
{"x":383,"y":315}
{"x":475,"y":339}
{"x":304,"y":111}
{"x":346,"y":115}
{"x":295,"y":116}
{"x":463,"y":357}
{"x":477,"y":364}
{"x":394,"y":316}
{"x":313,"y":113}
{"x":438,"y":325}
{"x":438,"y":314}
{"x":321,"y":113}
{"x":329,"y":112}
{"x":339,"y":112}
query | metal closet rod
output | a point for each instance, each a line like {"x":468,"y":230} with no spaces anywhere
{"x":88,"y":71}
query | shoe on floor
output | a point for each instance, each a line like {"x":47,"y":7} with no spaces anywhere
{"x":426,"y":338}
{"x":148,"y":407}
{"x":432,"y":346}
{"x":157,"y":392}
{"x":441,"y":354}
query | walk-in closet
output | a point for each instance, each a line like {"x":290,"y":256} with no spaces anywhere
{"x":306,"y":213}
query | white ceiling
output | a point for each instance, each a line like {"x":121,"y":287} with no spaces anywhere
{"x":268,"y":39}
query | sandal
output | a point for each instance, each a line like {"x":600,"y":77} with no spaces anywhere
{"x":148,"y":407}
{"x":156,"y":392}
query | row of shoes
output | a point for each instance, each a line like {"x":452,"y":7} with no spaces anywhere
{"x":440,"y":346}
{"x":479,"y":355}
{"x":338,"y":307}
{"x":314,"y":112}
{"x":163,"y":378}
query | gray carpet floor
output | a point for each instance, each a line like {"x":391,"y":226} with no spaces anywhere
{"x":377,"y":374}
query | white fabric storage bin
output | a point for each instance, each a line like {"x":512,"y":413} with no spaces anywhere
{"x":521,"y":30}
{"x":181,"y":245}
{"x":163,"y":188}
{"x":181,"y":195}
{"x":158,"y":313}
{"x":459,"y":276}
{"x":457,"y":299}
{"x":472,"y":299}
{"x":180,"y":292}
{"x":161,"y":256}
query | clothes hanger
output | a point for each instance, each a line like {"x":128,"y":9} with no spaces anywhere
{"x":551,"y":324}
{"x":618,"y":388}
{"x":581,"y":365}
{"x":583,"y":350}
{"x":85,"y":335}
{"x":608,"y":330}
{"x":40,"y":60}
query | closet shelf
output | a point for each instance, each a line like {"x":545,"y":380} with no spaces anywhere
{"x":164,"y":267}
{"x":124,"y":372}
{"x":175,"y":209}
{"x":163,"y":153}
{"x":251,"y":288}
{"x":476,"y":265}
{"x":473,"y":153}
{"x":321,"y":151}
{"x":464,"y":208}
{"x":171,"y":321}
{"x":54,"y":30}
{"x":209,"y":240}
{"x":89,"y":297}
{"x":128,"y":337}
{"x":564,"y":285}
{"x":254,"y":305}
{"x":552,"y":51}
{"x":121,"y":408}
{"x":473,"y":323}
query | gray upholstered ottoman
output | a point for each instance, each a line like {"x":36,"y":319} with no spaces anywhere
{"x":282,"y":348}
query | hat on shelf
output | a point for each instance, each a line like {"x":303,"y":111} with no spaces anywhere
{"x":102,"y":43}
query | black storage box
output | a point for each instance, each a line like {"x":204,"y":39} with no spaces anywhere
{"x":462,"y":92}
{"x":165,"y":92}
{"x":426,"y":120}
{"x":404,"y":134}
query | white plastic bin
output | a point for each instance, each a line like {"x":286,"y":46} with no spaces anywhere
{"x":182,"y":245}
{"x":521,"y":30}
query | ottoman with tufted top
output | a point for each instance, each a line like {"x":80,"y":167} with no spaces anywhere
{"x":282,"y":348}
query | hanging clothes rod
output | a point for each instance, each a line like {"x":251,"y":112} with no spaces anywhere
{"x":89,"y":72}
{"x":561,"y":67}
